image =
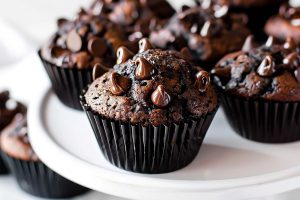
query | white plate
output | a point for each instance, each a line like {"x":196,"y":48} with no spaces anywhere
{"x":227,"y":167}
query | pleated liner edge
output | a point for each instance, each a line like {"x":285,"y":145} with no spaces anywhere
{"x":37,"y":179}
{"x":68,"y":83}
{"x":148,"y":149}
{"x":262,"y":120}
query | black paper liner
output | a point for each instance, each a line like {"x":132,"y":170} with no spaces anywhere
{"x":3,"y":168}
{"x":68,"y":83}
{"x":263,"y":120}
{"x":37,"y":179}
{"x":150,"y":149}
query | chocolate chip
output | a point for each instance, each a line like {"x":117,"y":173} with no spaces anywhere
{"x":97,"y":46}
{"x":221,"y":12}
{"x":81,"y":59}
{"x":202,"y":81}
{"x":205,"y":31}
{"x":61,"y":22}
{"x":160,"y":97}
{"x":186,"y":53}
{"x":289,"y":43}
{"x":270,"y":41}
{"x":249,"y":43}
{"x":99,"y":70}
{"x":144,"y":69}
{"x":206,"y":4}
{"x":74,"y":41}
{"x":123,"y":54}
{"x":291,"y":60}
{"x":144,"y":45}
{"x":267,"y":67}
{"x":97,"y":26}
{"x":297,"y":74}
{"x":119,"y":84}
{"x":82,"y":31}
{"x":57,"y":51}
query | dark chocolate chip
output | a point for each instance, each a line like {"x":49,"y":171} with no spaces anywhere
{"x":270,"y":41}
{"x":160,"y":97}
{"x":202,"y":80}
{"x":123,"y":54}
{"x":249,"y":43}
{"x":297,"y":74}
{"x":144,"y":45}
{"x":99,"y":70}
{"x":97,"y":46}
{"x":267,"y":67}
{"x":74,"y":41}
{"x":289,"y":43}
{"x":205,"y":31}
{"x":221,"y":12}
{"x":144,"y":69}
{"x":119,"y":84}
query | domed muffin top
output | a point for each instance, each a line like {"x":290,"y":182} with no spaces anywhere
{"x":271,"y":71}
{"x":209,"y":31}
{"x":285,"y":24}
{"x":152,"y":87}
{"x":8,"y":109}
{"x":14,"y":140}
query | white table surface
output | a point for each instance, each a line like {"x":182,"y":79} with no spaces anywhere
{"x":35,"y":21}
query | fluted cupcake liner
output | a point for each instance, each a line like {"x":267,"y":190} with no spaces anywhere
{"x":3,"y":168}
{"x":263,"y":120}
{"x":37,"y":179}
{"x":68,"y":83}
{"x":148,"y":149}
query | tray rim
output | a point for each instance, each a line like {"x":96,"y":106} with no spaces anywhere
{"x":253,"y":186}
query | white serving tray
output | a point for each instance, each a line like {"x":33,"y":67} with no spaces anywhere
{"x":227,"y":167}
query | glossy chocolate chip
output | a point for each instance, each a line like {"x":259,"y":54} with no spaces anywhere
{"x":202,"y":80}
{"x":160,"y":97}
{"x":205,"y":31}
{"x":249,"y":43}
{"x":144,"y":69}
{"x":97,"y":46}
{"x":206,"y":4}
{"x":74,"y":41}
{"x":270,"y":41}
{"x":267,"y":67}
{"x":221,"y":12}
{"x":297,"y":74}
{"x":144,"y":45}
{"x":123,"y":54}
{"x":289,"y":43}
{"x":99,"y":70}
{"x":291,"y":60}
{"x":119,"y":84}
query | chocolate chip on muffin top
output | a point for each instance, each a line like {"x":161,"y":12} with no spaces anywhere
{"x":152,"y":87}
{"x":270,"y":72}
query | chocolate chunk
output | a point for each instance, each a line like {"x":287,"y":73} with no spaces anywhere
{"x":144,"y":45}
{"x":221,"y":12}
{"x":74,"y":41}
{"x":119,"y":84}
{"x":81,"y":59}
{"x":202,"y":80}
{"x":249,"y":43}
{"x":297,"y":74}
{"x":205,"y":31}
{"x":289,"y":43}
{"x":99,"y":70}
{"x":144,"y":69}
{"x":97,"y":46}
{"x":123,"y":54}
{"x":160,"y":97}
{"x":291,"y":60}
{"x":267,"y":67}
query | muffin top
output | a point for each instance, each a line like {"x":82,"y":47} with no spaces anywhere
{"x":8,"y":109}
{"x":271,"y":72}
{"x":208,"y":31}
{"x":14,"y":140}
{"x":85,"y":41}
{"x":153,"y":87}
{"x":244,"y":3}
{"x":285,"y":24}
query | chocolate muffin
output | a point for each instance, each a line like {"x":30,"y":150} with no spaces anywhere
{"x":75,"y":48}
{"x":286,"y":24}
{"x":258,"y":11}
{"x":8,"y":109}
{"x":205,"y":34}
{"x":31,"y":174}
{"x":151,"y":112}
{"x":261,"y":91}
